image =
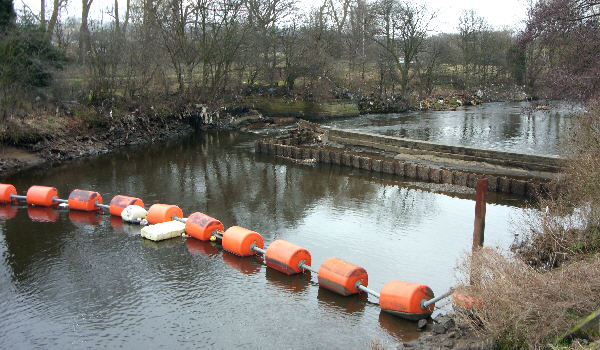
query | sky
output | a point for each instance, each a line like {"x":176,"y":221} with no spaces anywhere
{"x":501,"y":14}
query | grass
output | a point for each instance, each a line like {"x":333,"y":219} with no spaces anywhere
{"x":534,"y":297}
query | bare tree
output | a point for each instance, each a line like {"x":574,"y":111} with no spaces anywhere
{"x":402,"y":31}
{"x":57,"y":5}
{"x":84,"y":30}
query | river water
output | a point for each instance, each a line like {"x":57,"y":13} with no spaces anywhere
{"x":77,"y":281}
{"x":515,"y":127}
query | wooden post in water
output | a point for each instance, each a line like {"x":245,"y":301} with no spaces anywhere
{"x":479,"y":226}
{"x":480,"y":201}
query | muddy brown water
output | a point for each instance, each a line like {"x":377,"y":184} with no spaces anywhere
{"x":513,"y":127}
{"x":70,"y":280}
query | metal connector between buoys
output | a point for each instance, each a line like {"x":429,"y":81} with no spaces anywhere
{"x":366,"y":290}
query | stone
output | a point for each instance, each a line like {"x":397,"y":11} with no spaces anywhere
{"x":388,"y":167}
{"x":264,"y":147}
{"x":435,"y":176}
{"x":472,"y":180}
{"x":365,"y":163}
{"x":532,"y":189}
{"x":355,"y":161}
{"x":447,"y":176}
{"x":377,"y":165}
{"x":399,"y":168}
{"x":336,"y":157}
{"x":438,"y":329}
{"x":423,"y":173}
{"x":422,"y":324}
{"x":492,"y":183}
{"x":287,"y":151}
{"x":306,"y":152}
{"x":279,"y":150}
{"x":324,"y":156}
{"x":518,"y":187}
{"x":504,"y":184}
{"x":346,"y":159}
{"x":296,"y":152}
{"x":410,"y":171}
{"x":459,"y":178}
{"x":314,"y":153}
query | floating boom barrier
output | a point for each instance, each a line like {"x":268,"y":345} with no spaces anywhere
{"x":411,"y":301}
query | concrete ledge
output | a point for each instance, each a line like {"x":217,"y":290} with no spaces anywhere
{"x":400,"y":145}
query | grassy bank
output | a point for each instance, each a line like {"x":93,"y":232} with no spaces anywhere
{"x":552,"y":282}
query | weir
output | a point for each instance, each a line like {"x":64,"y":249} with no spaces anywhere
{"x":507,"y":172}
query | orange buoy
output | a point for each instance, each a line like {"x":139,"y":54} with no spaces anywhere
{"x":201,"y":226}
{"x":84,"y":200}
{"x":285,"y":257}
{"x":7,"y":212}
{"x":5,"y":191}
{"x":460,"y":298}
{"x":119,"y":202}
{"x":86,"y":217}
{"x":403,"y":299}
{"x":41,"y":195}
{"x":341,"y":276}
{"x":239,"y":241}
{"x":42,"y":214}
{"x":158,"y":213}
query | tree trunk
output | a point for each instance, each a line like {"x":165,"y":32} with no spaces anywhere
{"x":117,"y":16}
{"x":43,"y":13}
{"x":54,"y":17}
{"x":84,"y":31}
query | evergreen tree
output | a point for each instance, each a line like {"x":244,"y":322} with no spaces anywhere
{"x":7,"y":14}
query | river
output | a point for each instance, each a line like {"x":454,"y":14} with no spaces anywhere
{"x":75,"y":281}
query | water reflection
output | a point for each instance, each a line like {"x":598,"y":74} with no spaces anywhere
{"x":248,"y":265}
{"x":75,"y":281}
{"x":42,"y":214}
{"x":84,"y":217}
{"x":492,"y":125}
{"x":293,"y":284}
{"x":198,"y":247}
{"x":7,"y":211}
{"x":400,"y":329}
{"x":337,"y":303}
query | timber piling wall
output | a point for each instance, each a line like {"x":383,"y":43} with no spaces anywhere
{"x":295,"y":147}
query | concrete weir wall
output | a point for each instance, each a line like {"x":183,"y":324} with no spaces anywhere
{"x":293,"y":148}
{"x":400,"y":145}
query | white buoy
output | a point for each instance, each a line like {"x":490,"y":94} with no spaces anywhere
{"x":133,"y":213}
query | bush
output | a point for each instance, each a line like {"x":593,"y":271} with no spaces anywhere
{"x":525,"y":308}
{"x":27,"y":61}
{"x":554,"y":278}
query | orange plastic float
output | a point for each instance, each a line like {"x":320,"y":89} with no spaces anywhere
{"x":41,"y":195}
{"x":403,"y":299}
{"x":202,"y":226}
{"x":341,"y":276}
{"x":7,"y":212}
{"x":158,"y":213}
{"x":119,"y":202}
{"x":5,"y":191}
{"x":239,"y":241}
{"x":42,"y":214}
{"x":462,"y":299}
{"x":84,"y":200}
{"x":285,"y":257}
